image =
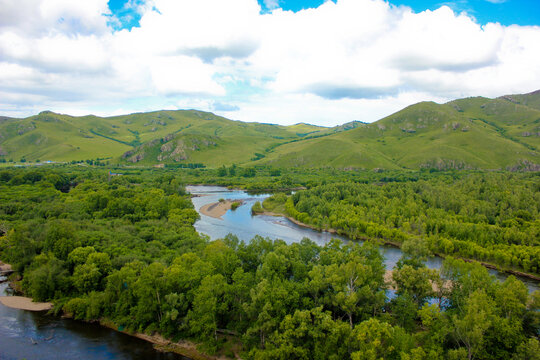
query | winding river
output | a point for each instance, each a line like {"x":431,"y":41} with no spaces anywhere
{"x":34,"y":335}
{"x":241,"y":223}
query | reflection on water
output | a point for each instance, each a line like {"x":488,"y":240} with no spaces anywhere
{"x":31,"y":335}
{"x":241,"y":223}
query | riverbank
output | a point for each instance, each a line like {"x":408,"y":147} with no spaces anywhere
{"x":5,"y":269}
{"x":20,"y":302}
{"x":24,"y":303}
{"x":183,"y":347}
{"x":398,"y":245}
{"x":218,"y":209}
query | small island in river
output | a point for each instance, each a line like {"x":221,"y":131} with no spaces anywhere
{"x":220,"y":208}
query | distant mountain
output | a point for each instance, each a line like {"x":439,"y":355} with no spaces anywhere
{"x":467,"y":133}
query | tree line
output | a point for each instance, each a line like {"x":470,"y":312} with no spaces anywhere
{"x":492,"y":217}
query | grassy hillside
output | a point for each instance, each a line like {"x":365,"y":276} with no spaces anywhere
{"x":188,"y":136}
{"x":217,"y":141}
{"x":467,"y":133}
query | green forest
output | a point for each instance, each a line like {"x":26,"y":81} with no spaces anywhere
{"x":492,"y":217}
{"x":123,"y":250}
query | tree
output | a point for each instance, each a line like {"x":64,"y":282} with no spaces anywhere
{"x":471,"y":325}
{"x":208,"y":307}
{"x":79,"y":256}
{"x":528,"y":350}
{"x":222,"y":171}
{"x":47,"y":278}
{"x":373,"y":339}
{"x":149,"y":291}
{"x":86,"y":278}
{"x":60,"y":238}
{"x":415,"y":282}
{"x":308,"y":334}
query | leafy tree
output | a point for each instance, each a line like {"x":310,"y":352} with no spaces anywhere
{"x":60,"y":238}
{"x":374,"y":339}
{"x":208,"y":308}
{"x":471,"y":325}
{"x":47,"y":278}
{"x":308,"y":334}
{"x":415,"y":282}
{"x":86,"y":277}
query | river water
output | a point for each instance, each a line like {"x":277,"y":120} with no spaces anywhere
{"x":35,"y":335}
{"x":241,"y":223}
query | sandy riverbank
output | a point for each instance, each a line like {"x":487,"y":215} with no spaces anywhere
{"x":182,"y":347}
{"x":24,"y":303}
{"x":20,"y":302}
{"x":218,"y":209}
{"x":4,"y":268}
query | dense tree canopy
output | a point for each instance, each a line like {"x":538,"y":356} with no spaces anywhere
{"x":125,"y":250}
{"x":492,"y":217}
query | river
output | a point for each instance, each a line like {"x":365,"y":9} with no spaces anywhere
{"x":241,"y":223}
{"x":35,"y":335}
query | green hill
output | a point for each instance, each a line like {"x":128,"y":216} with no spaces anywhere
{"x":466,"y":133}
{"x":188,"y":136}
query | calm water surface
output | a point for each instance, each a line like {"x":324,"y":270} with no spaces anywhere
{"x":34,"y":335}
{"x":241,"y":223}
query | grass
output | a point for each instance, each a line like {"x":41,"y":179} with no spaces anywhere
{"x":470,"y":133}
{"x":473,"y":133}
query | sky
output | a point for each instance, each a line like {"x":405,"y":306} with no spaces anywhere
{"x":274,"y":61}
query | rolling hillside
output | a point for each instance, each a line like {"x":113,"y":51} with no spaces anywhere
{"x":466,"y":133}
{"x":149,"y":138}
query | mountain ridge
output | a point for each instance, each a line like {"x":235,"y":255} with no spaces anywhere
{"x":474,"y":132}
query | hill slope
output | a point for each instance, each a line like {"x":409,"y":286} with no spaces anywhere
{"x":168,"y":136}
{"x":466,"y":133}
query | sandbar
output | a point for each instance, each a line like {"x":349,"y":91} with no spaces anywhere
{"x":218,"y":209}
{"x":24,"y":303}
{"x":5,"y":267}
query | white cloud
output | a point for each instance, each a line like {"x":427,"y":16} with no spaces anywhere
{"x":345,"y":60}
{"x":37,"y":17}
{"x":183,"y":75}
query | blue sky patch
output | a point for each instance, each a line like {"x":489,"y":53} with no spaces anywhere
{"x":125,"y":14}
{"x":506,"y":12}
